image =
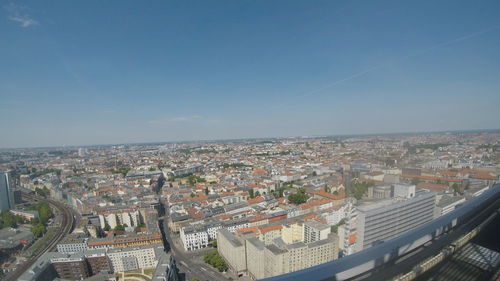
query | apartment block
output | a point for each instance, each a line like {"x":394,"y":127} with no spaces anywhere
{"x":248,"y":255}
{"x":127,"y":259}
{"x":197,"y":236}
{"x":315,"y":231}
{"x":81,"y":265}
{"x":72,"y":243}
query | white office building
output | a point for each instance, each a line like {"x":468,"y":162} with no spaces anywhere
{"x":386,"y":219}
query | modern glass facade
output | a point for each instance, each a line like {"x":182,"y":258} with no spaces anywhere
{"x":6,"y":198}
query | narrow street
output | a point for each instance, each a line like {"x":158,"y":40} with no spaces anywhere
{"x":191,"y":263}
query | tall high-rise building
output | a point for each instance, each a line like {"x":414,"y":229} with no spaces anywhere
{"x":6,"y":197}
{"x":386,"y":219}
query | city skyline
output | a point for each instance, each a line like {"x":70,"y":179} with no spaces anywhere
{"x":102,"y":73}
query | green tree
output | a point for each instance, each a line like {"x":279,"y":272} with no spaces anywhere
{"x":119,"y":228}
{"x":44,"y":212}
{"x":34,"y":221}
{"x":213,"y":243}
{"x":206,"y":190}
{"x":38,"y":230}
{"x":299,"y":197}
{"x":360,"y":188}
{"x":251,"y":193}
{"x":8,"y":219}
{"x":214,"y":259}
{"x":456,"y":188}
{"x":44,"y":192}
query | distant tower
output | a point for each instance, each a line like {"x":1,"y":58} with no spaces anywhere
{"x":6,"y":197}
{"x":82,"y":152}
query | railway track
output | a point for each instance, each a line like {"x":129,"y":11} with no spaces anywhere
{"x":67,"y":225}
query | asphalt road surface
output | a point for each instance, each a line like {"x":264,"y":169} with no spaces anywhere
{"x":191,"y":263}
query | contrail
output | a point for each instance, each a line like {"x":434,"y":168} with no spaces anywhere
{"x":379,"y":66}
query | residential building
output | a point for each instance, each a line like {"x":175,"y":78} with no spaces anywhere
{"x":72,"y":243}
{"x":315,"y":231}
{"x":81,"y":265}
{"x":247,"y":255}
{"x":126,"y":259}
{"x":194,"y":237}
{"x":293,"y":232}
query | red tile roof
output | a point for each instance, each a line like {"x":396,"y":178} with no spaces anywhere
{"x":266,"y":229}
{"x":255,"y":200}
{"x":253,"y":229}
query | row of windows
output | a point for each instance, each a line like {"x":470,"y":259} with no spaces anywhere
{"x":407,"y":214}
{"x":396,"y":227}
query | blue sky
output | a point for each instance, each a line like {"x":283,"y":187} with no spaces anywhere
{"x":97,"y":72}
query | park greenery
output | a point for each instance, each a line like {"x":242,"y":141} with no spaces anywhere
{"x":214,"y":259}
{"x":413,"y":148}
{"x":122,"y":171}
{"x":193,"y":179}
{"x":44,"y":191}
{"x":252,"y":194}
{"x":360,"y":188}
{"x":278,"y":192}
{"x":44,"y":211}
{"x":38,"y":225}
{"x":457,"y":189}
{"x":38,"y":229}
{"x":120,"y":227}
{"x":299,"y":197}
{"x":7,"y":219}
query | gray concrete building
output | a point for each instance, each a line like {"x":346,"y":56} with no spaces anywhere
{"x":382,"y":220}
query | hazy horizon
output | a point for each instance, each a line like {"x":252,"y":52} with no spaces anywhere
{"x":93,"y":72}
{"x":353,"y":135}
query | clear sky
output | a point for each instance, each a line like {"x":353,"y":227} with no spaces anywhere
{"x":100,"y":72}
